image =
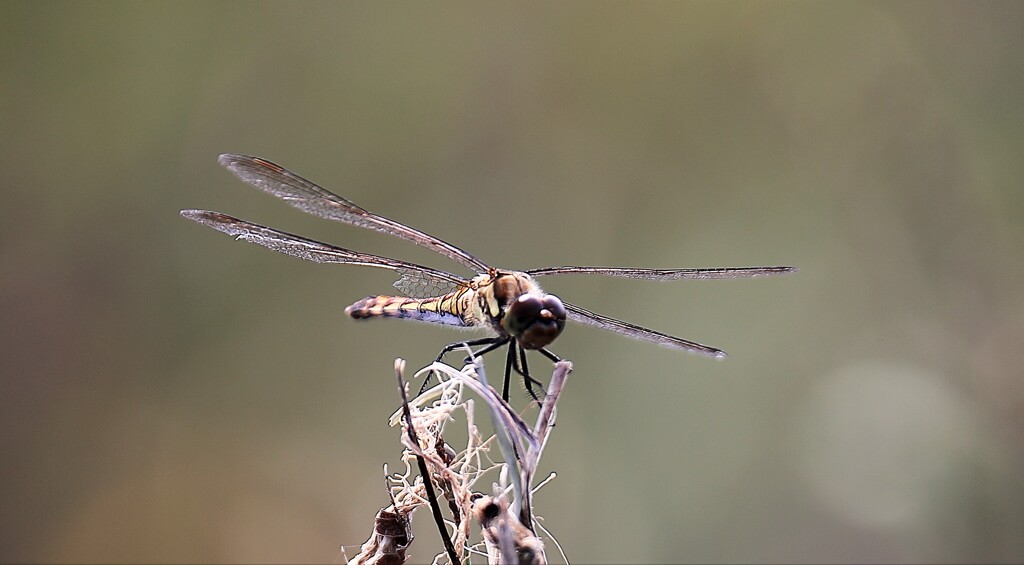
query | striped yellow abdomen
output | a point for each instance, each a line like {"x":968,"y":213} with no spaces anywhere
{"x":448,"y":309}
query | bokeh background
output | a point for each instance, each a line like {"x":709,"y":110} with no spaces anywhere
{"x":171,"y":395}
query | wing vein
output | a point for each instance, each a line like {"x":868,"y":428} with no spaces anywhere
{"x":314,"y":251}
{"x":666,"y":274}
{"x":584,"y":316}
{"x":314,"y":199}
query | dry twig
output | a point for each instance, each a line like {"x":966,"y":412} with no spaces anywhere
{"x":506,"y":515}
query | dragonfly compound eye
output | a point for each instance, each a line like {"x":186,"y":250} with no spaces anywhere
{"x":554,"y":305}
{"x":535,"y":321}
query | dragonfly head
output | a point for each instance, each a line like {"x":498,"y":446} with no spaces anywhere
{"x":535,"y":320}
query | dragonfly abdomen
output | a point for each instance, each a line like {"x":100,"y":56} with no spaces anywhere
{"x":447,"y":310}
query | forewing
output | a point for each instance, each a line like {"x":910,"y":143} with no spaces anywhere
{"x":314,"y":199}
{"x":315,"y":251}
{"x":667,"y":274}
{"x":583,"y":316}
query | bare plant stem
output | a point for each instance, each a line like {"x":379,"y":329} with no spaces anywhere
{"x":428,"y":484}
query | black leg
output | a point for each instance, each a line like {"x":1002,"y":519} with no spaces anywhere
{"x":510,"y":360}
{"x":554,"y":358}
{"x":525,"y":372}
{"x":471,"y":343}
{"x":491,"y":342}
{"x":483,"y":350}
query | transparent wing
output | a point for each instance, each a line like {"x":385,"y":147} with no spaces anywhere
{"x":668,"y":274}
{"x":309,"y":197}
{"x":583,"y":316}
{"x":417,"y":284}
{"x":321,"y":252}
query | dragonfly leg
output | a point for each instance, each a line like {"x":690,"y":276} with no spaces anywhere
{"x":490,"y":342}
{"x":471,"y":343}
{"x":498,"y":342}
{"x":554,"y":358}
{"x":510,"y":361}
{"x":524,"y":370}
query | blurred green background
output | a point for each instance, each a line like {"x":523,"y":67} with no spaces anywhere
{"x":171,"y":395}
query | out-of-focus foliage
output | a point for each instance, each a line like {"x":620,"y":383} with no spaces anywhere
{"x":170,"y":395}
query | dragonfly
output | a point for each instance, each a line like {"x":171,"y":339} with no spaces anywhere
{"x":509,"y":304}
